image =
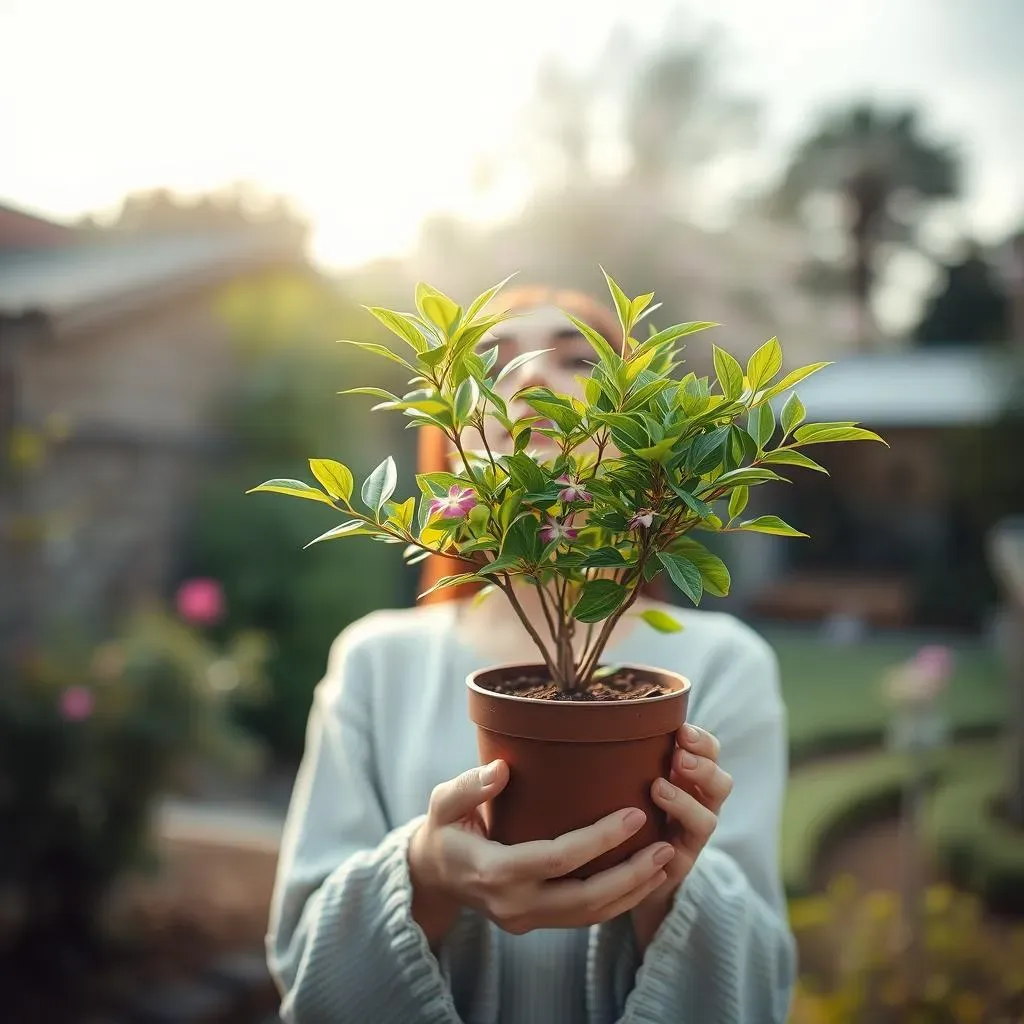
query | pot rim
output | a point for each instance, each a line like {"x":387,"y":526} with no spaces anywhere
{"x":684,"y":687}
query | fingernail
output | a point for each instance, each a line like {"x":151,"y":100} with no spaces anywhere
{"x":663,"y":855}
{"x":488,"y":773}
{"x":687,"y":759}
{"x":692,"y":734}
{"x":634,"y":819}
{"x":664,"y":789}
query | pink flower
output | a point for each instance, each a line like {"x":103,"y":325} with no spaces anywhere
{"x":456,"y":504}
{"x":76,"y":703}
{"x":643,"y":519}
{"x":572,"y":491}
{"x":200,"y":602}
{"x":934,"y":662}
{"x":554,"y":530}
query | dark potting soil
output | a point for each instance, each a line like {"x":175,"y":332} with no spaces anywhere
{"x":623,"y":685}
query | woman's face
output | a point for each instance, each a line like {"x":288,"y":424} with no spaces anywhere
{"x":570,"y":356}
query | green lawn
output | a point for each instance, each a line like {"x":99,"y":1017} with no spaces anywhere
{"x":834,"y":695}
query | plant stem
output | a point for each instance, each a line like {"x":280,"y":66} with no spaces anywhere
{"x":592,"y":657}
{"x":509,"y":591}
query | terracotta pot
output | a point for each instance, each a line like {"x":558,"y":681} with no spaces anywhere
{"x":573,"y":762}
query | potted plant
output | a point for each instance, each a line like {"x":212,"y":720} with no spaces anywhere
{"x":634,"y":467}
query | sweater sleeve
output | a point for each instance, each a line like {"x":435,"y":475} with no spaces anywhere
{"x":342,"y":944}
{"x":724,"y":953}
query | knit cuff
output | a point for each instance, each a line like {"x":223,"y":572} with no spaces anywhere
{"x":719,"y":956}
{"x":419,"y":991}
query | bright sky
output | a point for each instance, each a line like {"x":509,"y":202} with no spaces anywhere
{"x":371,"y":114}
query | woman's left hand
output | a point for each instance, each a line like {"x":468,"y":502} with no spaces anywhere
{"x":692,"y":797}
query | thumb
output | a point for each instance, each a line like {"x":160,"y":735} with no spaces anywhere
{"x":462,"y":795}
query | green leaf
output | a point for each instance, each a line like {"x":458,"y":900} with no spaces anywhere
{"x":379,"y":350}
{"x":675,"y":332}
{"x":436,"y":307}
{"x":520,"y":360}
{"x":638,"y":306}
{"x":821,"y":433}
{"x":597,"y":342}
{"x":450,"y":581}
{"x":503,"y":563}
{"x":598,"y":600}
{"x":622,"y":304}
{"x":402,"y":326}
{"x":467,"y":395}
{"x":380,"y":485}
{"x":745,"y":475}
{"x":738,"y":501}
{"x":788,"y":457}
{"x":706,"y":450}
{"x":761,"y":425}
{"x":484,"y":299}
{"x":764,"y":364}
{"x":684,"y":574}
{"x":793,"y":413}
{"x":770,"y":524}
{"x":729,"y":373}
{"x":295,"y":488}
{"x":794,"y":378}
{"x":604,"y":558}
{"x":526,"y":473}
{"x":661,"y":621}
{"x":403,"y":514}
{"x":353,"y":527}
{"x":334,"y":477}
{"x":702,"y":508}
{"x":374,"y":392}
{"x":522,"y":440}
{"x":713,"y":570}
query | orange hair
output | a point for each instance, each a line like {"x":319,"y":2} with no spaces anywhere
{"x":433,"y":445}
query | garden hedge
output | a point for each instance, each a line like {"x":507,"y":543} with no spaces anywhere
{"x":973,"y":845}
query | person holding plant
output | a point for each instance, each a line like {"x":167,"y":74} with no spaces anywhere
{"x":392,"y":905}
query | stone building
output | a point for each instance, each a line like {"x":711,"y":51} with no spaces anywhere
{"x":112,"y":358}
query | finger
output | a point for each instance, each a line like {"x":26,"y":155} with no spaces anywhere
{"x":631,"y":899}
{"x":589,"y":900}
{"x":698,"y":741}
{"x":450,"y":801}
{"x":714,"y":783}
{"x":546,"y":859}
{"x":696,"y":821}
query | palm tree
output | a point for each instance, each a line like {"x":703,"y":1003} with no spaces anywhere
{"x":884,"y":171}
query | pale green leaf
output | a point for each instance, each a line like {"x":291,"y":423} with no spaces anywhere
{"x":294,"y":488}
{"x":793,"y":413}
{"x":770,"y":524}
{"x":661,"y":621}
{"x":729,"y":373}
{"x":764,"y":364}
{"x":354,"y":527}
{"x":334,"y":477}
{"x":738,"y":501}
{"x":822,"y":433}
{"x":788,"y":457}
{"x":380,"y":485}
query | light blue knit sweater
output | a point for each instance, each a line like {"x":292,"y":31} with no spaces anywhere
{"x":389,"y":721}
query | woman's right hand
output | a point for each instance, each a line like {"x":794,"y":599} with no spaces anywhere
{"x":452,"y":863}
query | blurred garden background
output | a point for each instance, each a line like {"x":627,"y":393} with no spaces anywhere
{"x":191,"y":214}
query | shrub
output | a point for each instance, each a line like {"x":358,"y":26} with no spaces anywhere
{"x":973,"y":845}
{"x":88,"y":741}
{"x":968,"y":973}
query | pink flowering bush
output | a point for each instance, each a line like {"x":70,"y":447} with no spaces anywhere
{"x":88,"y":741}
{"x":585,"y":497}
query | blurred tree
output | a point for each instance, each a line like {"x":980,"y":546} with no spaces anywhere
{"x":161,"y":211}
{"x":884,"y":171}
{"x":283,"y":410}
{"x":678,"y":117}
{"x":971,"y":308}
